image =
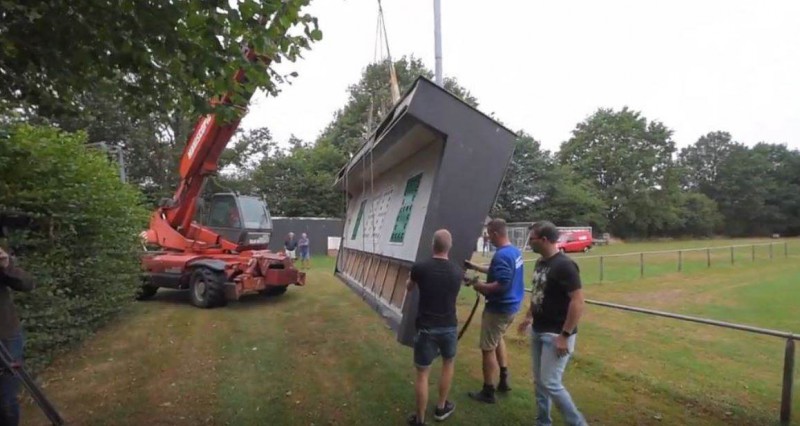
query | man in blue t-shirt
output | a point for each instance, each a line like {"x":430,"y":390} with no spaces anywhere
{"x":504,"y":290}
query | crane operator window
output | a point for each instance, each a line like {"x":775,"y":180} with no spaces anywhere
{"x":225,"y":213}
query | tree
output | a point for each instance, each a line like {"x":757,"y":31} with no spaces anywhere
{"x":521,"y":191}
{"x":537,"y":187}
{"x":702,"y":161}
{"x":628,"y":160}
{"x":79,"y":227}
{"x":699,"y":216}
{"x":299,"y":181}
{"x":370,"y":99}
{"x":167,"y":55}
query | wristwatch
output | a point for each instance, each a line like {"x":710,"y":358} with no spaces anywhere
{"x":566,"y":333}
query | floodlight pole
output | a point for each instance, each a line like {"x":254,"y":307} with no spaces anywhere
{"x":437,"y":33}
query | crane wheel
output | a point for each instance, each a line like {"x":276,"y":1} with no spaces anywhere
{"x":274,"y":291}
{"x":207,"y":288}
{"x":146,"y":291}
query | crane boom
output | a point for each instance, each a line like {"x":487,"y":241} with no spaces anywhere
{"x":171,"y":225}
{"x":227,"y":255}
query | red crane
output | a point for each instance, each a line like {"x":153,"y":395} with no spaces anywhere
{"x":224,"y":256}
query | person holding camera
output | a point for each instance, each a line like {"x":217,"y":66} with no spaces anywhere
{"x":438,"y":281}
{"x":11,"y":335}
{"x":504,"y":290}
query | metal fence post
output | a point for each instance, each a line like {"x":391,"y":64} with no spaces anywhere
{"x":731,"y":255}
{"x":708,"y":256}
{"x":788,"y":375}
{"x":601,"y":268}
{"x":680,"y":260}
{"x":641,"y":265}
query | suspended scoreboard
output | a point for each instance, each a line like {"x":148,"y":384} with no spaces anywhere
{"x":434,"y":162}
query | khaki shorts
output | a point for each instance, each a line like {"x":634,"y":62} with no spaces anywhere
{"x":493,"y":327}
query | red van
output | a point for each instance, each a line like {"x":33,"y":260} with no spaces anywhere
{"x":574,"y":240}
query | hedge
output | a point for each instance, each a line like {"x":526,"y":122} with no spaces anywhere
{"x":79,"y":235}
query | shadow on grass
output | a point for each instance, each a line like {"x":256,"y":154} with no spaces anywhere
{"x":250,"y":301}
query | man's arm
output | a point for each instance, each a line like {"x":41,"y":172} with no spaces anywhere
{"x":502,"y":274}
{"x":570,"y":278}
{"x":16,"y":278}
{"x":575,"y":310}
{"x":410,"y":284}
{"x":475,"y":267}
{"x":411,"y":281}
{"x":527,"y":320}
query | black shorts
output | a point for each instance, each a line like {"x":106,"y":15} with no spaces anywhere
{"x":432,"y":342}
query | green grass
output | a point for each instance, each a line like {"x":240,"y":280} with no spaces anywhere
{"x":319,"y":355}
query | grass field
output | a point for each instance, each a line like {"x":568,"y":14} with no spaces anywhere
{"x":318,"y":355}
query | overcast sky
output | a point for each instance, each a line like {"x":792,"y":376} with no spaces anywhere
{"x":543,"y":66}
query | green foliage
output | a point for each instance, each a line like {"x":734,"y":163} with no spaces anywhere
{"x":703,"y":160}
{"x":699,"y":216}
{"x":299,"y":181}
{"x":628,"y":159}
{"x":158,"y":55}
{"x":536,"y":187}
{"x":81,"y":235}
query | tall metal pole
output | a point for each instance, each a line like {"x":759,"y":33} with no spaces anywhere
{"x":437,"y":32}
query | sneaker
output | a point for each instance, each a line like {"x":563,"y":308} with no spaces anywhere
{"x":414,"y":421}
{"x":483,"y":396}
{"x":442,"y":413}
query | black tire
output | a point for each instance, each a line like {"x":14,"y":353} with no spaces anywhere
{"x":146,"y":291}
{"x":275,"y":291}
{"x":207,"y":288}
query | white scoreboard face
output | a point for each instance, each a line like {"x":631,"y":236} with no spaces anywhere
{"x":387,"y":215}
{"x":385,"y":218}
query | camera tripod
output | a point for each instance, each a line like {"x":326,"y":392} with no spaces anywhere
{"x":9,"y":366}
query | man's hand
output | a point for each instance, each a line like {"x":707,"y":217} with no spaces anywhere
{"x":561,"y":346}
{"x":525,"y":325}
{"x":5,"y":259}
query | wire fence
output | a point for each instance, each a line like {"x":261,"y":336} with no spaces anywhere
{"x":630,"y":266}
{"x":787,"y":382}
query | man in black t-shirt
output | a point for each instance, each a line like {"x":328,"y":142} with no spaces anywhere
{"x":438,"y":281}
{"x":556,"y":306}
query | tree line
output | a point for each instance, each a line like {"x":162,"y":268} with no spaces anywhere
{"x":618,"y":172}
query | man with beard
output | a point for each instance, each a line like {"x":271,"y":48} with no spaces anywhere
{"x":556,"y":307}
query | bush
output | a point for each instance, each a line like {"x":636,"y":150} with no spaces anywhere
{"x":77,"y":233}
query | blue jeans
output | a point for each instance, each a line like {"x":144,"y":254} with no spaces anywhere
{"x":430,"y":343}
{"x":9,"y":385}
{"x":548,"y":369}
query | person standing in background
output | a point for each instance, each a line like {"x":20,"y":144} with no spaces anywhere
{"x":290,"y":245}
{"x":305,"y":250}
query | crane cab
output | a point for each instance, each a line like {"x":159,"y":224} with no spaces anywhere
{"x":241,"y":219}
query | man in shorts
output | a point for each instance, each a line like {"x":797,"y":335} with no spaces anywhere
{"x":504,"y":290}
{"x":438,"y":281}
